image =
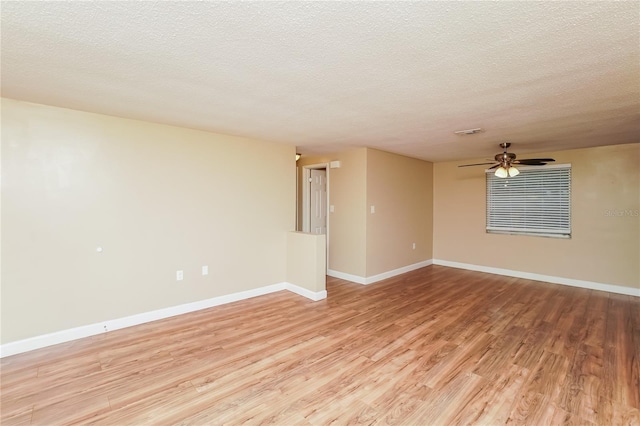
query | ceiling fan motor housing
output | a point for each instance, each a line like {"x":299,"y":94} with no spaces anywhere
{"x":505,"y":157}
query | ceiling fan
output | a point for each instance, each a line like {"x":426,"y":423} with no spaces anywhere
{"x":507,"y":160}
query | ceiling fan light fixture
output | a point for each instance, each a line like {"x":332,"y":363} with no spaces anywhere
{"x":513,"y":171}
{"x":501,"y":172}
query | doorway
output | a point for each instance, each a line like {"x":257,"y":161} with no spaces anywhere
{"x":315,"y":200}
{"x":315,"y":195}
{"x":318,"y":201}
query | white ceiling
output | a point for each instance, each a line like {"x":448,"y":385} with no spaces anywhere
{"x":325,"y":76}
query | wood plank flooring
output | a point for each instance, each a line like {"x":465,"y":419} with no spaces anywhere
{"x":436,"y":346}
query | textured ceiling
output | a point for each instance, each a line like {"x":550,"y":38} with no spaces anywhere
{"x":325,"y":76}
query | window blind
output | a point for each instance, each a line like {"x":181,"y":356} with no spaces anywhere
{"x":536,"y":202}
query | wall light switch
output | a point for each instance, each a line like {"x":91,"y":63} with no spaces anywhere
{"x":414,"y":246}
{"x":205,"y":270}
{"x":373,"y":209}
{"x":332,"y":208}
{"x":179,"y":275}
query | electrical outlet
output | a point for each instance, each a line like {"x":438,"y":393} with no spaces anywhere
{"x":414,"y":246}
{"x":179,"y":275}
{"x":205,"y":270}
{"x":373,"y":209}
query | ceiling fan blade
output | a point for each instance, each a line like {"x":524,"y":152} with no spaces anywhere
{"x":477,"y":164}
{"x":494,"y":167}
{"x":530,"y":163}
{"x":538,"y":159}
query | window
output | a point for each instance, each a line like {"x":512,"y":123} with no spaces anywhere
{"x":536,"y":202}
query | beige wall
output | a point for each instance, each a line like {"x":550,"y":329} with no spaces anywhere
{"x":307,"y":261}
{"x":348,"y":226}
{"x":603,"y":248}
{"x":156,"y":198}
{"x":401,"y":189}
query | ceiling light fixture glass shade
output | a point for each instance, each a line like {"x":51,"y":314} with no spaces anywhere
{"x":298,"y":156}
{"x":513,"y":171}
{"x":501,"y":172}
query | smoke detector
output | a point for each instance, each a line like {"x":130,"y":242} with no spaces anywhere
{"x":468,"y":131}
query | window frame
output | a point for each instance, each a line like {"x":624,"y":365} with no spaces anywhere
{"x":561,"y":202}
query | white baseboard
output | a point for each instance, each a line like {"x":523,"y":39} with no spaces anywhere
{"x":62,"y":336}
{"x":393,"y":273}
{"x":315,"y":296}
{"x":379,"y":277}
{"x":344,"y":276}
{"x":538,"y":277}
{"x":50,"y":339}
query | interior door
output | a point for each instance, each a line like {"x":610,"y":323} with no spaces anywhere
{"x":318,"y":200}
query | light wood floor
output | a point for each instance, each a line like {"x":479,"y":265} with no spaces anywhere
{"x":436,"y":346}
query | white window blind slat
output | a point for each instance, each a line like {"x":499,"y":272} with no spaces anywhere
{"x":536,"y":202}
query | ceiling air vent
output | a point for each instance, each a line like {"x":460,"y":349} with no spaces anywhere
{"x":468,"y":131}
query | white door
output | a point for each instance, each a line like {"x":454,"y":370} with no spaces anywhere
{"x":318,"y":200}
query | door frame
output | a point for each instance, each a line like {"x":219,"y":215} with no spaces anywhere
{"x":306,"y":199}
